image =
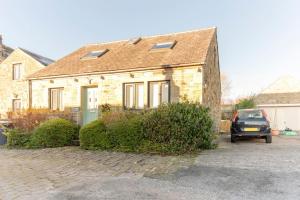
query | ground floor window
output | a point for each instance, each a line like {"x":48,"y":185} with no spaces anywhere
{"x":159,"y":92}
{"x":56,"y":99}
{"x":134,"y":95}
{"x":16,"y":105}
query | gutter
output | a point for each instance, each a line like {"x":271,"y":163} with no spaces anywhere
{"x":118,"y":71}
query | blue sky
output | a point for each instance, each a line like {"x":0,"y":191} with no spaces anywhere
{"x":259,"y":40}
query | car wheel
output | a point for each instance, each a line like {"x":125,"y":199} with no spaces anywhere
{"x":269,"y":139}
{"x":233,"y":139}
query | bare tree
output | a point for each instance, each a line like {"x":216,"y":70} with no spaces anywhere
{"x":225,"y":86}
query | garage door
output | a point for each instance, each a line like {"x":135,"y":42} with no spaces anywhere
{"x":282,"y":117}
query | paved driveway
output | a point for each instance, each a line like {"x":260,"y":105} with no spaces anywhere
{"x":245,"y":170}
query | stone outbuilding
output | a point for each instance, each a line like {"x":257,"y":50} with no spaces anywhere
{"x":14,"y":87}
{"x":138,"y":73}
{"x":281,"y":101}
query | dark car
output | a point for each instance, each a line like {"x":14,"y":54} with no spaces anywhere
{"x":250,"y":123}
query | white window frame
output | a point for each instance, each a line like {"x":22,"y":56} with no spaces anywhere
{"x":59,"y":106}
{"x":156,"y":97}
{"x":17,"y":71}
{"x":134,"y":100}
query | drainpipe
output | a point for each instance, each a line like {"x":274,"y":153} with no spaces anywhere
{"x":30,"y":93}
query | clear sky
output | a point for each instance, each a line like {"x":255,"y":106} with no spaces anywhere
{"x":259,"y":40}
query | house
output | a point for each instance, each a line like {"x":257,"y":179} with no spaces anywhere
{"x":138,"y":73}
{"x":281,"y":101}
{"x":14,"y":87}
{"x":4,"y":50}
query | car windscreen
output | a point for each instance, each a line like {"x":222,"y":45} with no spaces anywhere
{"x":251,"y":115}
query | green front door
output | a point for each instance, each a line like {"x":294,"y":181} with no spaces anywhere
{"x":90,"y":104}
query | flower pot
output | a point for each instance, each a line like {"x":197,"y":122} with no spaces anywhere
{"x":275,"y":132}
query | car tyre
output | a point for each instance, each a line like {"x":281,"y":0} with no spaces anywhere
{"x":269,"y":139}
{"x":233,"y":139}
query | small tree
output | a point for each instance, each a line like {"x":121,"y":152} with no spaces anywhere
{"x":246,"y":103}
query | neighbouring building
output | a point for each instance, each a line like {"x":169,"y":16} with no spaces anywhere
{"x":4,"y":50}
{"x":281,"y":101}
{"x":14,"y":87}
{"x":133,"y":74}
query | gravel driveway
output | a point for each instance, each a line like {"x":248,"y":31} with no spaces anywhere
{"x":245,"y":170}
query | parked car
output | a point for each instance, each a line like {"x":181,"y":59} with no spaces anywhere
{"x":250,"y":123}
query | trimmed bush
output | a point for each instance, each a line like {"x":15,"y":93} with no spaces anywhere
{"x":17,"y":138}
{"x":54,"y":133}
{"x":182,"y":127}
{"x":94,"y":136}
{"x":127,"y":133}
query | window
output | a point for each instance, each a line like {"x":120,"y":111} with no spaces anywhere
{"x":159,"y":92}
{"x":134,"y":95}
{"x":16,"y":105}
{"x":135,"y":40}
{"x":94,"y":54}
{"x":17,"y":71}
{"x":165,"y":45}
{"x":56,"y":99}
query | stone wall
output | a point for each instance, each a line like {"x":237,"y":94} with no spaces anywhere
{"x":184,"y":82}
{"x":212,"y":83}
{"x":15,"y":89}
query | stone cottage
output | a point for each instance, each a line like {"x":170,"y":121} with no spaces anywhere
{"x":137,"y":73}
{"x":14,"y":87}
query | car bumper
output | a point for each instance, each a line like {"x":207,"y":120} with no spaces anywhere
{"x":250,"y":134}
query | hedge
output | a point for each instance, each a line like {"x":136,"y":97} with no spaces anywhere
{"x":183,"y":127}
{"x":126,"y":134}
{"x":17,"y":138}
{"x":54,"y":133}
{"x":94,"y":136}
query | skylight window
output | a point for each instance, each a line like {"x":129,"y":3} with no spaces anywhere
{"x":135,"y":40}
{"x":94,"y":54}
{"x":164,"y":45}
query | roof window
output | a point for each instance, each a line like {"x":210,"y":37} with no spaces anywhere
{"x":134,"y":40}
{"x":94,"y":54}
{"x":164,"y":45}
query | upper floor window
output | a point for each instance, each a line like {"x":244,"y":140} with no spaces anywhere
{"x":159,"y":93}
{"x":134,"y":95}
{"x":17,"y":75}
{"x":56,"y":99}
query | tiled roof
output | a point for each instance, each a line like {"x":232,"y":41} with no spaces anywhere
{"x":43,"y":60}
{"x":191,"y":48}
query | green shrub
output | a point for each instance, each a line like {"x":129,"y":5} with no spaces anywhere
{"x":17,"y":138}
{"x":94,"y":136}
{"x":126,"y":134}
{"x":182,"y":127}
{"x":54,"y":133}
{"x":246,"y":103}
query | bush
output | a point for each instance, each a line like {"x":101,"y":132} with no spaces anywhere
{"x":17,"y":138}
{"x":94,"y":136}
{"x":54,"y":133}
{"x":126,"y":134}
{"x":246,"y":103}
{"x":182,"y":127}
{"x":29,"y":119}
